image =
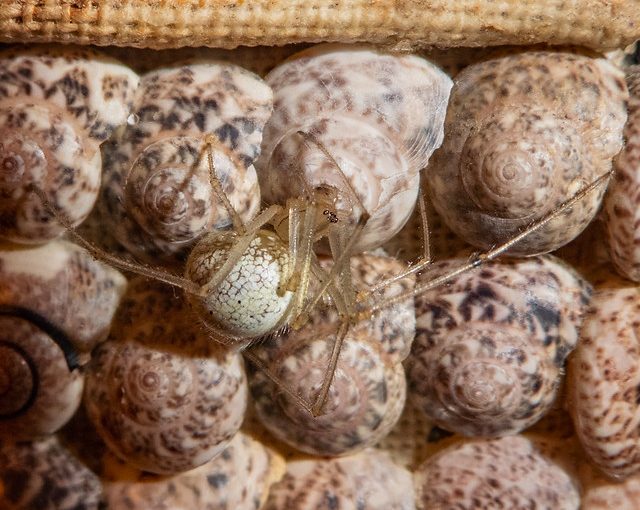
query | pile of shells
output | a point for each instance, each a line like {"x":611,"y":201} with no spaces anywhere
{"x":331,"y":287}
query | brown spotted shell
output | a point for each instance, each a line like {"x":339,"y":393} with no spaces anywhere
{"x":621,"y":202}
{"x":160,"y":393}
{"x":157,"y":196}
{"x":238,"y":479}
{"x":604,"y":381}
{"x":500,"y":473}
{"x":57,"y":105}
{"x":44,"y":475}
{"x":56,"y":304}
{"x":368,"y":391}
{"x":523,"y":134}
{"x":368,"y":480}
{"x":379,"y":116}
{"x":490,"y":346}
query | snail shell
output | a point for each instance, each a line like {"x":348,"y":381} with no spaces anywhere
{"x":621,"y":202}
{"x":56,"y":304}
{"x":161,"y":394}
{"x":368,"y":391}
{"x":45,"y":475}
{"x":379,"y":116}
{"x":604,"y":380}
{"x":57,"y":105}
{"x":368,"y":480}
{"x":238,"y":479}
{"x":157,"y":196}
{"x":491,"y":345}
{"x":523,"y":134}
{"x":509,"y":472}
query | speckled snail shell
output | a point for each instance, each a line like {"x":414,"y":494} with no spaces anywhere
{"x":604,"y":379}
{"x":238,"y":479}
{"x":621,"y":202}
{"x":57,"y":105}
{"x":45,"y":475}
{"x":368,"y":390}
{"x":380,"y":116}
{"x":157,"y":195}
{"x":490,"y":347}
{"x":368,"y":480}
{"x":523,"y":134}
{"x":56,"y":304}
{"x":509,"y":472}
{"x":161,"y":395}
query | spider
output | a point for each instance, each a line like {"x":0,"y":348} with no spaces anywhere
{"x":279,"y":243}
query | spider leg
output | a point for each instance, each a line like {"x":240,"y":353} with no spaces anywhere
{"x":481,"y":258}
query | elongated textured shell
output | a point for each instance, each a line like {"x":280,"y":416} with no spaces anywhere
{"x":379,"y":116}
{"x":406,"y":24}
{"x":621,"y":203}
{"x":45,"y":475}
{"x":157,"y":196}
{"x":238,"y":479}
{"x":604,"y":381}
{"x":160,"y":393}
{"x":523,"y":134}
{"x":57,"y":105}
{"x":368,"y":480}
{"x":368,"y":391}
{"x":501,"y":473}
{"x":490,"y":346}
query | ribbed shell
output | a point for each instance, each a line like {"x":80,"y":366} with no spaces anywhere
{"x":368,"y":480}
{"x":491,"y":345}
{"x":57,"y":105}
{"x":501,"y":473}
{"x":161,"y":394}
{"x":523,"y":134}
{"x":44,"y":475}
{"x":380,"y":116}
{"x":157,"y":196}
{"x":368,"y":391}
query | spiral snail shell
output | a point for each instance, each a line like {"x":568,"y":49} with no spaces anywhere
{"x":378,"y":116}
{"x":490,"y":347}
{"x":368,"y":480}
{"x":523,"y":134}
{"x":509,"y":472}
{"x":604,"y":381}
{"x":157,"y":197}
{"x":45,"y":475}
{"x":621,"y":201}
{"x":238,"y":479}
{"x":161,"y":395}
{"x":56,"y":304}
{"x":368,"y":390}
{"x":57,"y":105}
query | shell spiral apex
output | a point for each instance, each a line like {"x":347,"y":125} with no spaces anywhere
{"x":523,"y":134}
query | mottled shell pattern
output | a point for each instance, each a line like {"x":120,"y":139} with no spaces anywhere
{"x":160,"y":393}
{"x":621,"y":209}
{"x":523,"y":134}
{"x":157,"y":195}
{"x":368,"y":480}
{"x":490,"y":347}
{"x":501,"y":473}
{"x":368,"y":390}
{"x":238,"y":479}
{"x":379,"y":116}
{"x":45,"y":475}
{"x":57,"y":105}
{"x":56,"y":304}
{"x":604,"y":382}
